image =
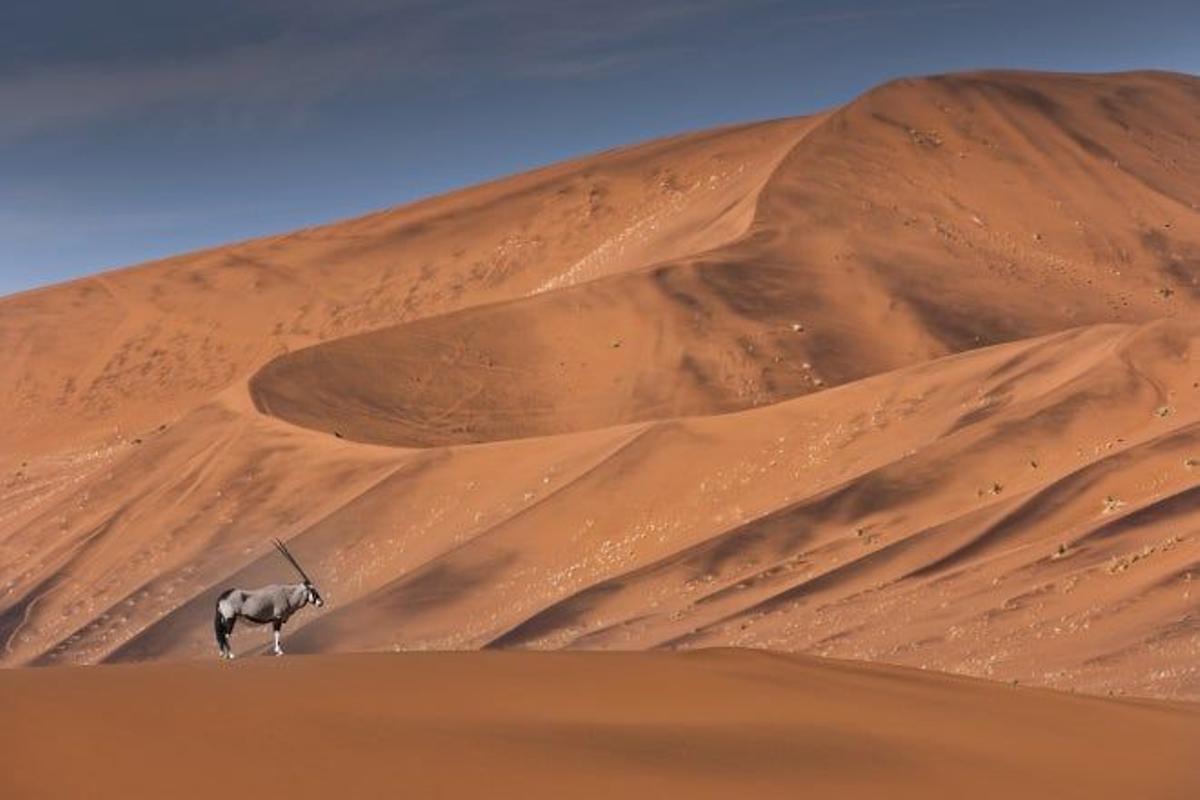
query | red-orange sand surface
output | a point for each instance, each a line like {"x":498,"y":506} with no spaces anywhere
{"x":912,"y":381}
{"x":713,"y":723}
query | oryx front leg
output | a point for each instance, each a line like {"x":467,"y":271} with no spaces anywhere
{"x":276,"y":649}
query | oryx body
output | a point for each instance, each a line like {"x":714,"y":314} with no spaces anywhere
{"x":273,"y":604}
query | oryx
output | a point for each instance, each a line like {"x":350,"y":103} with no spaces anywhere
{"x":272,"y":604}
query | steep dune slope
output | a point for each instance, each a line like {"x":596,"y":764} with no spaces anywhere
{"x":131,"y":349}
{"x":702,"y":725}
{"x":1019,"y":512}
{"x":927,"y":217}
{"x":739,"y":394}
{"x":970,"y":209}
{"x":130,"y":470}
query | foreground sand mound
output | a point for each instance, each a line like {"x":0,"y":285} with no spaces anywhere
{"x":709,"y":724}
{"x":728,"y":388}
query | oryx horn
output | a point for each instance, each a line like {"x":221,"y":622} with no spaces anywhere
{"x":284,"y":551}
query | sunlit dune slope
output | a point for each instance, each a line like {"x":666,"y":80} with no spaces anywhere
{"x":929,"y":216}
{"x":706,"y":725}
{"x":131,"y":349}
{"x":1023,"y":511}
{"x":914,"y":381}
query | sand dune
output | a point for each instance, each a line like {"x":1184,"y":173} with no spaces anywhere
{"x":928,"y":217}
{"x":1019,"y":511}
{"x":910,"y":381}
{"x":133,"y":348}
{"x":712,"y":724}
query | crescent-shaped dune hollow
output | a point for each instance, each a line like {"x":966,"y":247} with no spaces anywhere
{"x":912,"y":381}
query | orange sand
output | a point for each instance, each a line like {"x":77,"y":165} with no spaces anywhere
{"x":713,"y":724}
{"x":910,"y":381}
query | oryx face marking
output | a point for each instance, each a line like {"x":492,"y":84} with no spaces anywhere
{"x":274,"y":604}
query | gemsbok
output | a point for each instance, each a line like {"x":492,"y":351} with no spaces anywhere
{"x":274,"y":604}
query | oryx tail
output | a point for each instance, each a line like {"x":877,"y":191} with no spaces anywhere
{"x":221,"y":624}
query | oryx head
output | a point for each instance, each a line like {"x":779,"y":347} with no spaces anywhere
{"x":312,"y":596}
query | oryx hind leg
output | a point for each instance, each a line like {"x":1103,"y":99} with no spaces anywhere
{"x":229,"y":623}
{"x":223,"y":626}
{"x":276,"y":649}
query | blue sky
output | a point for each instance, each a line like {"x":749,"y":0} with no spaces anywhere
{"x":142,"y":128}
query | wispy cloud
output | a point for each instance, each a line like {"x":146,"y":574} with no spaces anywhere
{"x":305,"y":52}
{"x":888,"y":11}
{"x":319,"y":50}
{"x":285,"y":72}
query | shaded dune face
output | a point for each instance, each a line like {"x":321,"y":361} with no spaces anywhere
{"x":929,"y":217}
{"x":914,"y":380}
{"x":653,"y":344}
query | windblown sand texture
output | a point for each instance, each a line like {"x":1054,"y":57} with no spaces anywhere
{"x":911,"y":381}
